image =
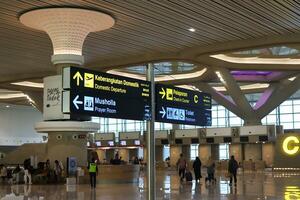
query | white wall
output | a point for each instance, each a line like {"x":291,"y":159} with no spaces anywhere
{"x":17,"y":125}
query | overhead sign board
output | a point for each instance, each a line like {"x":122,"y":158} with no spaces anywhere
{"x":182,"y":106}
{"x":100,"y":94}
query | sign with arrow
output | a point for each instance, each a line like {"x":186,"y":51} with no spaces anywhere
{"x":92,"y":93}
{"x":181,"y":106}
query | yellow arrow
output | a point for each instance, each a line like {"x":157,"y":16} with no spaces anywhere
{"x":78,"y":77}
{"x":163,"y":93}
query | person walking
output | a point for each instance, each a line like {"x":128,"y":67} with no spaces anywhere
{"x":232,"y":169}
{"x":181,"y":165}
{"x":93,"y":171}
{"x":197,"y":169}
{"x":210,"y":171}
{"x":57,"y":171}
{"x":27,"y":171}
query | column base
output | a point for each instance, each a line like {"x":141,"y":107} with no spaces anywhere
{"x":66,"y":139}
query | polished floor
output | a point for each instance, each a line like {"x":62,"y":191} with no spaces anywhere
{"x":251,"y":186}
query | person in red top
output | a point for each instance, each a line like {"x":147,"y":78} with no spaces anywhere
{"x":181,"y":165}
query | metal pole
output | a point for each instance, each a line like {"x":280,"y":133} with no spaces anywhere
{"x":151,"y":194}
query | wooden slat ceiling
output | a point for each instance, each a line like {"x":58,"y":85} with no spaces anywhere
{"x":143,"y":28}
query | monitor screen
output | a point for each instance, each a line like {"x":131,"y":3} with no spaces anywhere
{"x":98,"y":143}
{"x":137,"y":142}
{"x":244,"y":139}
{"x":227,"y":139}
{"x":164,"y":141}
{"x":123,"y":142}
{"x":210,"y":140}
{"x":178,"y":141}
{"x":195,"y":140}
{"x":110,"y":143}
{"x":263,"y":138}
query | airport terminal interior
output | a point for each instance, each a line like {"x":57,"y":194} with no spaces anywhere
{"x":150,"y":99}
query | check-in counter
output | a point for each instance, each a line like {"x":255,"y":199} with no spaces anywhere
{"x":114,"y":174}
{"x":248,"y":166}
{"x":259,"y":165}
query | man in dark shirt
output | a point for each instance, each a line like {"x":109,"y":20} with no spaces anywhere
{"x":232,"y":169}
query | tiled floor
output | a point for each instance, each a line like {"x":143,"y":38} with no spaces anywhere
{"x":251,"y":186}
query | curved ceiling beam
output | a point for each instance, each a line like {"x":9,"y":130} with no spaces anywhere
{"x":197,"y":53}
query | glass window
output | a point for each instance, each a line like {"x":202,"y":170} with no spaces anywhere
{"x":194,"y":151}
{"x":297,"y":108}
{"x":221,"y":122}
{"x":287,"y":125}
{"x":286,"y":118}
{"x":221,"y":113}
{"x":166,"y":151}
{"x":286,"y":109}
{"x":288,"y":102}
{"x":271,"y":119}
{"x":223,"y":151}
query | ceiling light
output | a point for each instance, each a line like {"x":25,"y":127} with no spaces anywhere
{"x":257,"y":60}
{"x":245,"y":87}
{"x":12,"y":95}
{"x":67,"y":29}
{"x":7,"y":106}
{"x":292,"y":78}
{"x":29,"y":84}
{"x":192,"y":29}
{"x":220,"y":76}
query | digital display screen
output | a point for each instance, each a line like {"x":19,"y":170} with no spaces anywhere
{"x":164,"y":141}
{"x":111,"y":143}
{"x":195,"y":140}
{"x":178,"y":141}
{"x":98,"y":143}
{"x":137,"y":142}
{"x":123,"y":142}
{"x":244,"y":139}
{"x":210,"y":140}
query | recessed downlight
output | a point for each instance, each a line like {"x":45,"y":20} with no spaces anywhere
{"x":192,"y":29}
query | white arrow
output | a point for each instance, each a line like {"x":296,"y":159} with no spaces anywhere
{"x":75,"y":102}
{"x":163,"y":112}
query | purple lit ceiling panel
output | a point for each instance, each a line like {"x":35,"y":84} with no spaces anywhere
{"x":252,"y":73}
{"x":246,"y":75}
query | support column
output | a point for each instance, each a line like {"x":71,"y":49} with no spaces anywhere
{"x":151,"y":193}
{"x":159,"y":153}
{"x":175,"y":151}
{"x":268,"y":154}
{"x":204,"y":153}
{"x":253,"y":151}
{"x":236,"y":151}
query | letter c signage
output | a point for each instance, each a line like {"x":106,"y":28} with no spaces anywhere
{"x":291,"y":145}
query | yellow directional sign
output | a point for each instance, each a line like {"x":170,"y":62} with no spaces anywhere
{"x":78,"y":77}
{"x":162,"y":92}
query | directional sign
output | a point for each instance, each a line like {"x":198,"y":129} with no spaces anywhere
{"x":93,"y":93}
{"x":182,"y":106}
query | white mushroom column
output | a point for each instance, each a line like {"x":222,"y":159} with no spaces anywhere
{"x":67,"y":29}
